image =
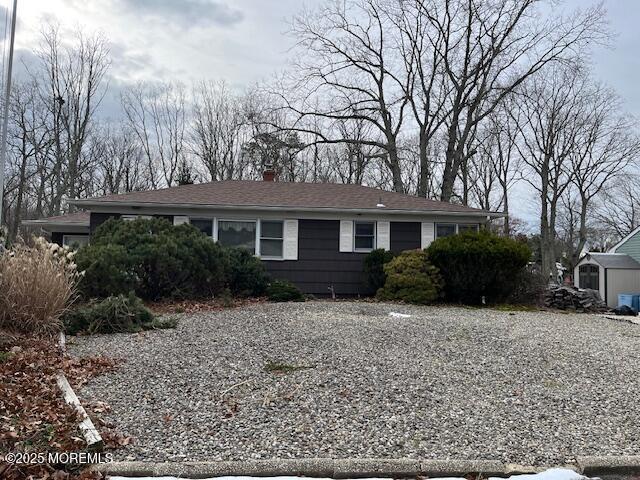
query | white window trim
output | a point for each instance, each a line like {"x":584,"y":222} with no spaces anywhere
{"x":456,"y":225}
{"x":375,"y":236}
{"x":256,"y":221}
{"x":131,"y":217}
{"x":77,"y":235}
{"x":259,"y":239}
{"x":383,"y":235}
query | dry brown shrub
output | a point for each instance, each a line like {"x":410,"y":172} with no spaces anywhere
{"x":37,"y":284}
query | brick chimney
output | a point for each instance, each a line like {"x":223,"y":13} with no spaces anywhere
{"x":268,"y":174}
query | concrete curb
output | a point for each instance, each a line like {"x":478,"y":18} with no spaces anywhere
{"x":311,"y":467}
{"x":589,"y":466}
{"x":360,"y":468}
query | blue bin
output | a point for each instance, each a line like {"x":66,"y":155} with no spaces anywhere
{"x":630,"y":300}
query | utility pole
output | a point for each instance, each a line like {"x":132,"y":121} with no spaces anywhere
{"x":5,"y":108}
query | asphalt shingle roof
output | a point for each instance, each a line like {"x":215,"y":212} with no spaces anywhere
{"x":77,"y":218}
{"x":282,"y":194}
{"x":614,"y":260}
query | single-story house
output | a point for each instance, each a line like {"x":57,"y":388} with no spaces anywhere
{"x":315,"y":235}
{"x":614,"y":272}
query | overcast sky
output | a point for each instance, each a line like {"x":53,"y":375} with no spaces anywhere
{"x":244,"y":41}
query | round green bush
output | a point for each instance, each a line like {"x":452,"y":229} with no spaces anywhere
{"x":479,"y":264}
{"x":374,"y":264}
{"x":247,"y":274}
{"x":153,"y":258}
{"x":284,"y":291}
{"x":411,"y":278}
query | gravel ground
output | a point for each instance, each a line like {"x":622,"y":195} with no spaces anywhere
{"x":529,"y":387}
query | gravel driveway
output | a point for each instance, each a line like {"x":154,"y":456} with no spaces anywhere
{"x":324,"y":379}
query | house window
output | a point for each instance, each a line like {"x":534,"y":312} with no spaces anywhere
{"x":364,"y":236}
{"x":468,"y":227}
{"x":271,"y":239}
{"x":448,"y":229}
{"x":445,"y":229}
{"x":589,"y":277}
{"x":237,"y":233}
{"x":205,"y":225}
{"x":75,"y":241}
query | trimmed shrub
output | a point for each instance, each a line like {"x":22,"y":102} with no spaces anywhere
{"x":247,"y":274}
{"x":374,"y":264}
{"x":154,"y":258}
{"x":37,"y":284}
{"x":411,"y":278}
{"x":118,"y":314}
{"x":108,"y":270}
{"x":479,"y":264}
{"x":284,"y":291}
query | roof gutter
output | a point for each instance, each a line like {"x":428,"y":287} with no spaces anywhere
{"x":47,"y":222}
{"x":198,"y":206}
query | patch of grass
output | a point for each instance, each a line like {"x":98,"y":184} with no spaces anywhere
{"x":548,"y":383}
{"x":278,"y":367}
{"x":4,"y":356}
{"x":161,"y":323}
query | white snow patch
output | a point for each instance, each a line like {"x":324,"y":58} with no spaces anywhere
{"x":551,"y":474}
{"x":399,"y":315}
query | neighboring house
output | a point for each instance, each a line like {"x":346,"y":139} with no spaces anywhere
{"x":314,"y":234}
{"x":71,"y":229}
{"x":614,"y":272}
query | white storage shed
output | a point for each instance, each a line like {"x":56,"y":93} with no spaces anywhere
{"x":609,"y":273}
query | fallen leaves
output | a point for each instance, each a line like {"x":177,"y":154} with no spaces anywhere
{"x":195,"y":306}
{"x":33,"y":414}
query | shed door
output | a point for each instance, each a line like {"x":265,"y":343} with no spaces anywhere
{"x":590,"y":277}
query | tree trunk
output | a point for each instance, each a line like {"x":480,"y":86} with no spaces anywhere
{"x":394,"y":166}
{"x":425,"y":173}
{"x":505,"y":209}
{"x":453,"y":160}
{"x":13,"y":232}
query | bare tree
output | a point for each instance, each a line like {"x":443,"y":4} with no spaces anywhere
{"x":499,"y":163}
{"x":72,"y":89}
{"x":487,"y":50}
{"x":220,"y":128}
{"x":350,"y":161}
{"x":617,"y":208}
{"x":29,"y":141}
{"x":120,"y":161}
{"x":606,"y":145}
{"x":551,"y":107}
{"x":348,"y":72}
{"x":157,"y":115}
